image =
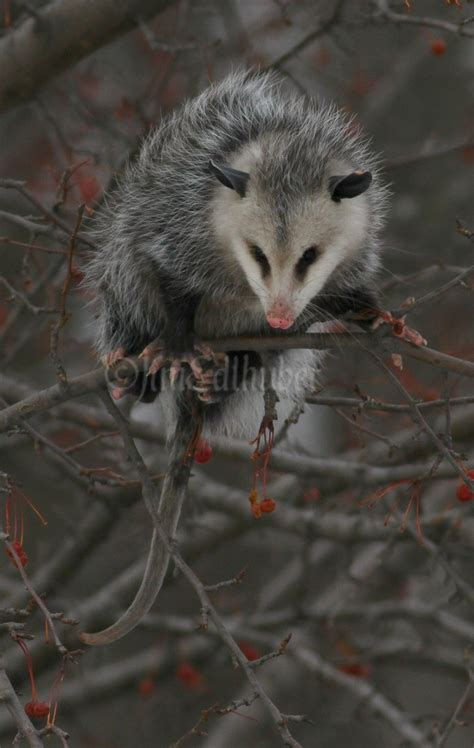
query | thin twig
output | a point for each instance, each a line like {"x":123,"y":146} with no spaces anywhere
{"x":20,"y":187}
{"x":322,"y":29}
{"x":422,"y":422}
{"x":39,"y":602}
{"x":458,"y":709}
{"x":63,"y":317}
{"x":385,"y":13}
{"x":25,"y":300}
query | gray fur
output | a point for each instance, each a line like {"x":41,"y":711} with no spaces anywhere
{"x":159,"y":218}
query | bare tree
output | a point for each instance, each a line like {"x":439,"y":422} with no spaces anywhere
{"x":334,"y":605}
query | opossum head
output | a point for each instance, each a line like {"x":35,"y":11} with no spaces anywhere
{"x":289,"y":238}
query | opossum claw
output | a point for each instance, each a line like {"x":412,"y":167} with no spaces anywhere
{"x":111,"y":358}
{"x":159,"y":357}
{"x":154,"y":353}
{"x":207,"y":353}
{"x":205,"y":385}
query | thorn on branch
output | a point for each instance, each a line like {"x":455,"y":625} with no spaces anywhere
{"x":63,"y":316}
{"x":281,"y":649}
{"x":298,"y":718}
{"x":204,"y":622}
{"x":463,"y":231}
{"x":238,"y":579}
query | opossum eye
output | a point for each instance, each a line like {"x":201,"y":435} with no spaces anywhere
{"x":306,"y":259}
{"x":260,"y":257}
{"x":309,"y":255}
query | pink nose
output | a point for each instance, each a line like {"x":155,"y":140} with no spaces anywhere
{"x":280,"y":316}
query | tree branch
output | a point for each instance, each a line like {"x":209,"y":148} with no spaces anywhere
{"x":97,"y":379}
{"x":385,"y":13}
{"x":34,"y":53}
{"x":8,"y":695}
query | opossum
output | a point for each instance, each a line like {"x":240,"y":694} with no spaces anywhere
{"x":248,"y":211}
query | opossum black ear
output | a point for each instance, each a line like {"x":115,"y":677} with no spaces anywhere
{"x":232,"y":178}
{"x":349,"y":186}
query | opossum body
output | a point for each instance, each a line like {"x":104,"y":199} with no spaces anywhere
{"x":248,"y":211}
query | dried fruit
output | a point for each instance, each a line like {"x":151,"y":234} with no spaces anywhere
{"x":463,"y":491}
{"x":438,"y":47}
{"x":313,"y":494}
{"x":37,"y":708}
{"x":260,"y":507}
{"x":251,"y":652}
{"x":22,"y":556}
{"x":399,"y":327}
{"x":89,"y":187}
{"x":256,"y":511}
{"x":189,"y":675}
{"x":146,"y":686}
{"x":356,"y":669}
{"x":125,"y":109}
{"x":77,"y":276}
{"x":203,"y":452}
{"x":267,"y":506}
{"x":264,"y":442}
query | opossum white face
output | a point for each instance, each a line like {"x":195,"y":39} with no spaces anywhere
{"x":288,"y":256}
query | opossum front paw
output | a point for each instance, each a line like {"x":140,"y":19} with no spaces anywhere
{"x":110,"y":359}
{"x":156,"y":356}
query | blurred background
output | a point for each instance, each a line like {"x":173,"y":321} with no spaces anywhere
{"x":382,"y":619}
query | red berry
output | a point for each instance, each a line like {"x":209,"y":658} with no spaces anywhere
{"x":314,"y":494}
{"x":37,"y":708}
{"x":463,"y":492}
{"x":438,"y":47}
{"x":146,"y":686}
{"x":251,"y":652}
{"x":125,"y":110}
{"x":77,"y":275}
{"x":357,"y":670}
{"x":89,"y":187}
{"x":23,"y":558}
{"x":467,"y":155}
{"x":203,"y":452}
{"x":188,"y":675}
{"x":267,"y":506}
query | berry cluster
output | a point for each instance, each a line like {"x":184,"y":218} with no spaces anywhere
{"x":259,"y":507}
{"x":463,"y":491}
